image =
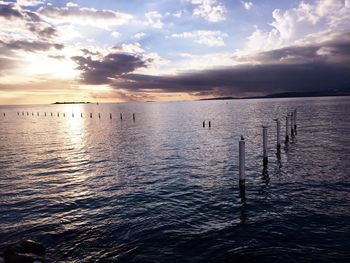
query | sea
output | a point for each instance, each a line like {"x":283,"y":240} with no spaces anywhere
{"x":163,"y":188}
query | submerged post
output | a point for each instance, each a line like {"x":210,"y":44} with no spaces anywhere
{"x":22,"y":113}
{"x":133,"y":116}
{"x":64,"y":115}
{"x":51,"y":113}
{"x":45,"y":113}
{"x":4,"y":114}
{"x":209,"y":124}
{"x":90,"y":115}
{"x":81,"y":115}
{"x":37,"y":113}
{"x":295,"y":121}
{"x":265,"y":158}
{"x":17,"y":113}
{"x":99,"y":115}
{"x":72,"y":115}
{"x":242,"y":163}
{"x":121,"y":116}
{"x":203,"y":124}
{"x":287,"y":134}
{"x":110,"y":115}
{"x":58,"y":114}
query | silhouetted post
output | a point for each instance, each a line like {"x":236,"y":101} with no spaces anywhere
{"x":133,"y":116}
{"x":27,"y":113}
{"x":81,"y":115}
{"x":45,"y":113}
{"x":51,"y":114}
{"x":209,"y":124}
{"x":295,"y":121}
{"x":121,"y":116}
{"x":72,"y":115}
{"x":287,"y":123}
{"x":278,"y":134}
{"x":37,"y":113}
{"x":64,"y":115}
{"x":203,"y":124}
{"x":4,"y":114}
{"x":110,"y":115}
{"x":99,"y":115}
{"x":291,"y":124}
{"x":32,"y":113}
{"x":242,"y":163}
{"x":58,"y":114}
{"x":90,"y":115}
{"x":22,"y":113}
{"x":265,"y":158}
{"x":17,"y":113}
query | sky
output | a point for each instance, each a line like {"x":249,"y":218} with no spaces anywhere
{"x":165,"y":50}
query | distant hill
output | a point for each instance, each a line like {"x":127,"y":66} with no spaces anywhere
{"x":72,"y":102}
{"x":291,"y":95}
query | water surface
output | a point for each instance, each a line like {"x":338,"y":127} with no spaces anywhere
{"x":164,"y":189}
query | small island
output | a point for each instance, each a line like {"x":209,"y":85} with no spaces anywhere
{"x":72,"y":102}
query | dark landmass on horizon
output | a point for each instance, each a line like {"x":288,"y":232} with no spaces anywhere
{"x":290,"y":95}
{"x":72,"y":102}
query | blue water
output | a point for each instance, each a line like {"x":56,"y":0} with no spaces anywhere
{"x":164,"y":189}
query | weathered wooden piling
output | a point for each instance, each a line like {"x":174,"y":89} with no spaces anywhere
{"x":45,"y":113}
{"x":121,"y":116}
{"x":27,"y":113}
{"x":58,"y":114}
{"x":287,"y":128}
{"x":90,"y":115}
{"x":51,"y":114}
{"x":64,"y":115}
{"x":37,"y":113}
{"x":99,"y":115}
{"x":133,"y":116}
{"x":203,"y":124}
{"x":110,"y":115}
{"x":209,"y":124}
{"x":265,"y":158}
{"x":17,"y":113}
{"x":295,"y":121}
{"x":242,"y":163}
{"x":81,"y":115}
{"x":32,"y":113}
{"x":4,"y":114}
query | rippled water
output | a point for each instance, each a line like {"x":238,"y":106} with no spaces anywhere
{"x":164,"y":189}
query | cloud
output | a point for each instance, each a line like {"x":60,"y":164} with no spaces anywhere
{"x":6,"y":65}
{"x":311,"y":68}
{"x":30,"y":46}
{"x":204,"y":37}
{"x":26,"y":20}
{"x":115,"y":34}
{"x":84,"y":16}
{"x":154,"y":19}
{"x":129,"y":48}
{"x":29,"y":2}
{"x":247,"y":5}
{"x":299,"y":22}
{"x":139,"y":35}
{"x":210,"y":10}
{"x":110,"y":67}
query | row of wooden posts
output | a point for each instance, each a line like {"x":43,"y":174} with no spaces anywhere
{"x":64,"y":115}
{"x":291,"y":128}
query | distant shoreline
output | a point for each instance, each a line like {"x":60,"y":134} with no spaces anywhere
{"x":288,"y":95}
{"x":72,"y":102}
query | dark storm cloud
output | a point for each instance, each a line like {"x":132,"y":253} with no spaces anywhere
{"x":110,"y":67}
{"x":309,"y":68}
{"x":245,"y":80}
{"x":31,"y":46}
